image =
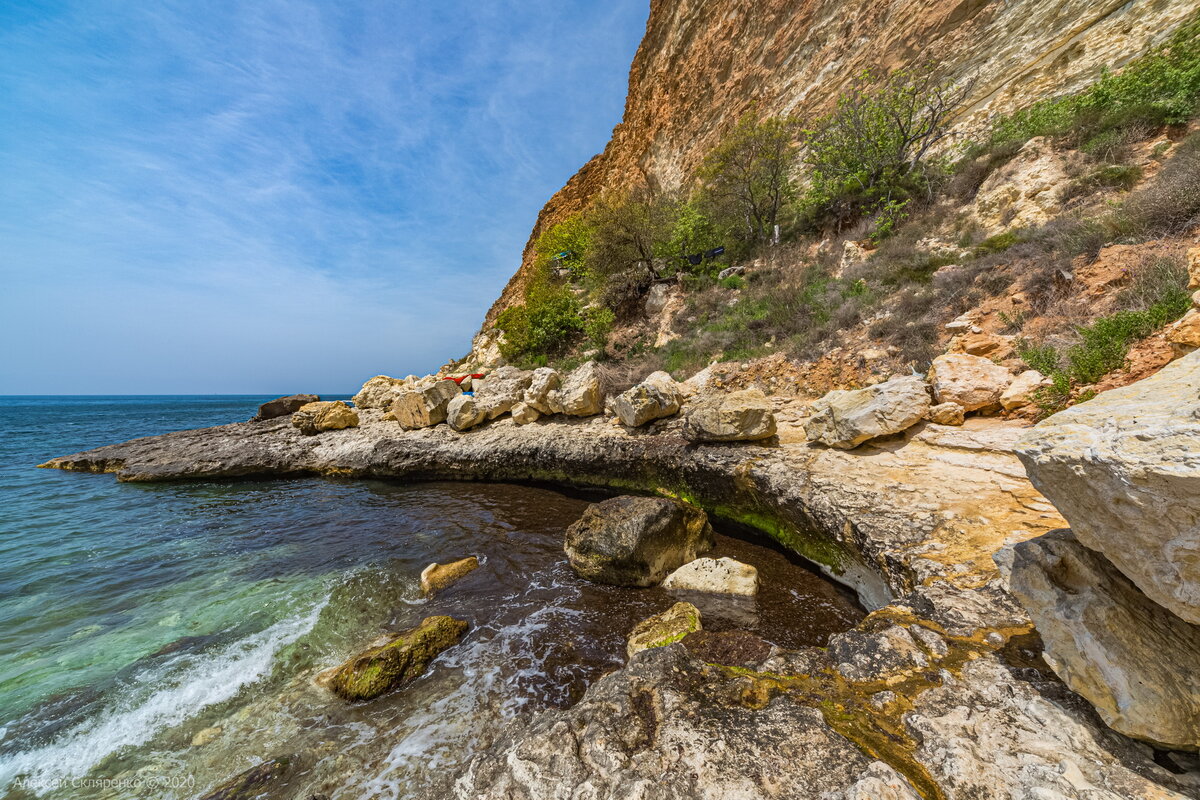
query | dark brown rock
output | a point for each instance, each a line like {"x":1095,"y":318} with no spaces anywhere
{"x":282,"y":406}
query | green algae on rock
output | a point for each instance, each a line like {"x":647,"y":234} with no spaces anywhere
{"x":401,"y":659}
{"x":663,"y":629}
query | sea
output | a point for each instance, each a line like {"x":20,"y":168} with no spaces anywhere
{"x":158,"y":639}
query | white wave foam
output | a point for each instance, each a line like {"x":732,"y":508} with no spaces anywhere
{"x":159,"y":698}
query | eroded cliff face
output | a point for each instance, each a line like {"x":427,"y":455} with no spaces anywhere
{"x":703,"y":63}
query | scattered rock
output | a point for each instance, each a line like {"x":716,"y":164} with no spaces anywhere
{"x":254,"y":782}
{"x":716,"y":576}
{"x":1025,"y":191}
{"x":651,"y":399}
{"x":313,"y":418}
{"x":543,"y":392}
{"x":847,"y":418}
{"x":580,"y":392}
{"x":436,"y":576}
{"x":523,"y":414}
{"x":729,"y":272}
{"x":947,"y":414}
{"x":656,"y":299}
{"x":463,"y":413}
{"x":1193,"y":263}
{"x":421,"y":408}
{"x":1184,"y":333}
{"x":206,"y":736}
{"x":501,"y":390}
{"x":1124,"y":469}
{"x":1021,"y":391}
{"x":991,"y":345}
{"x":739,"y":416}
{"x":282,"y":406}
{"x":971,"y":381}
{"x":401,"y":659}
{"x":1136,"y":662}
{"x":380,"y":392}
{"x":664,"y":629}
{"x":636,"y":541}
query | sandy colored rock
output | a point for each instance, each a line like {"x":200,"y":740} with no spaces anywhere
{"x":524,"y":414}
{"x":1136,"y":662}
{"x":282,"y":406}
{"x":580,"y":395}
{"x":462,"y":413}
{"x":1193,"y":265}
{"x":380,"y":392}
{"x":946,"y":414}
{"x":644,"y":403}
{"x":1124,"y":469}
{"x":971,"y":381}
{"x":636,"y":541}
{"x":403,"y":658}
{"x":1184,"y":333}
{"x":436,"y":576}
{"x":663,"y":629}
{"x":543,"y":393}
{"x":715,"y":576}
{"x":1021,"y":391}
{"x":314,"y":418}
{"x":990,"y":345}
{"x":1025,"y":191}
{"x":420,"y":408}
{"x":739,"y":416}
{"x":847,"y":418}
{"x":501,"y":390}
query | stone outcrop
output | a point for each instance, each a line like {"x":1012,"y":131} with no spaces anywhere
{"x":1124,"y":469}
{"x":971,"y":381}
{"x":282,"y":406}
{"x":397,"y":661}
{"x":580,"y":394}
{"x":1184,"y":333}
{"x":1025,"y":191}
{"x":646,"y":402}
{"x":420,"y":408}
{"x":714,"y":576}
{"x":847,"y":418}
{"x":501,"y":390}
{"x":462,"y":413}
{"x":636,"y":541}
{"x":314,"y":418}
{"x":380,"y":392}
{"x":1022,"y":390}
{"x":543,"y":393}
{"x":738,"y":416}
{"x":1136,"y":662}
{"x":663,"y":629}
{"x":436,"y":577}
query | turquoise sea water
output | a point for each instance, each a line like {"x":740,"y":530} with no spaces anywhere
{"x":135,"y":617}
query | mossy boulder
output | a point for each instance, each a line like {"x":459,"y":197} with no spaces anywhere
{"x":663,"y":629}
{"x":253,"y":782}
{"x":395,"y":662}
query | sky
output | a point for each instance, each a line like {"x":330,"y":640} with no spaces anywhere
{"x":280,"y":196}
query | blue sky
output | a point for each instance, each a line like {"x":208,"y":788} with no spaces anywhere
{"x":280,"y":195}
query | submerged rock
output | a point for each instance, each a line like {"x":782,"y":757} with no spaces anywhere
{"x":973,"y":382}
{"x":847,"y":418}
{"x":314,"y":418}
{"x":663,"y":629}
{"x":1124,"y":469}
{"x":738,"y":416}
{"x":254,"y":782}
{"x":436,"y":577}
{"x":400,"y":660}
{"x":420,"y":408}
{"x":716,"y":576}
{"x":1136,"y":662}
{"x":636,"y":541}
{"x":282,"y":406}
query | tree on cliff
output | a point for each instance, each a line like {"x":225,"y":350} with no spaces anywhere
{"x":747,"y":178}
{"x":629,"y":237}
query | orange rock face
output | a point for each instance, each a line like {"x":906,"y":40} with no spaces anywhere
{"x":703,"y":63}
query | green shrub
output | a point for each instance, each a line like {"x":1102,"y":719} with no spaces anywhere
{"x":733,"y":282}
{"x":1044,"y":358}
{"x":1170,"y":204}
{"x":545,"y":325}
{"x":573,"y":236}
{"x":597,"y":325}
{"x":997,"y":244}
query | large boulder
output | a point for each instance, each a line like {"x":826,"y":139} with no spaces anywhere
{"x":971,"y":381}
{"x":543,"y":393}
{"x":636,"y":541}
{"x":314,"y":418}
{"x":946,"y":414}
{"x":847,"y":418}
{"x":1124,"y":469}
{"x":462,"y":413}
{"x":397,"y":661}
{"x":744,"y":415}
{"x":421,"y":408}
{"x":380,"y":392}
{"x":714,"y":576}
{"x":282,"y":406}
{"x":1023,"y":389}
{"x":654,"y":398}
{"x":663,"y":629}
{"x":436,"y":577}
{"x":524,"y":414}
{"x":1136,"y":662}
{"x":580,"y":394}
{"x":501,"y":390}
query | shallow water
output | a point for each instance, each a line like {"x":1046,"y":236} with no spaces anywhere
{"x":133,"y":617}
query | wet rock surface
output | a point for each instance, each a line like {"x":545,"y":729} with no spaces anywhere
{"x":399,"y":660}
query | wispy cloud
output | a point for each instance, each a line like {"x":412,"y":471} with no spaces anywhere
{"x":280,"y":195}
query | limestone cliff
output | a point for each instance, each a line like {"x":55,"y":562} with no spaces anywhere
{"x":703,"y":63}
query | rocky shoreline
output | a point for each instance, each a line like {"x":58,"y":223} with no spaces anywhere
{"x":939,"y":693}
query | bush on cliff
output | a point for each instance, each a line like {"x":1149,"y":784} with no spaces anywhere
{"x":547,"y":324}
{"x":566,"y":243}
